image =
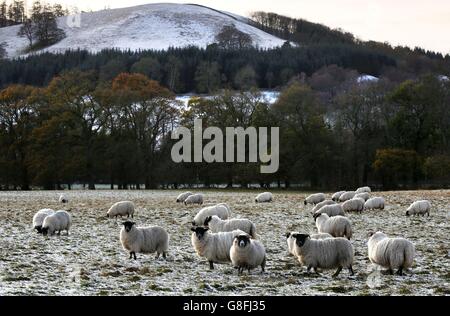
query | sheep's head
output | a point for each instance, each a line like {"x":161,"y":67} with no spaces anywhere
{"x":128,"y":225}
{"x":300,"y":239}
{"x":39,"y":229}
{"x":178,"y":200}
{"x":305,"y":202}
{"x":207,"y":220}
{"x":316,"y":216}
{"x":407,"y":213}
{"x":242,"y":240}
{"x":44,"y":231}
{"x":199,"y":231}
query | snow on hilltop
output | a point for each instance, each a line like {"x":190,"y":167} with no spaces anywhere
{"x":151,"y":26}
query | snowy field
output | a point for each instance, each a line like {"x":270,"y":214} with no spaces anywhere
{"x":90,"y":261}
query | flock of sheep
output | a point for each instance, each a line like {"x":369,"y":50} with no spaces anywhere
{"x":222,"y":239}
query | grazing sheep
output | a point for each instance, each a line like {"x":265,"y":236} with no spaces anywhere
{"x":335,"y":197}
{"x":331,"y":210}
{"x":363,"y":190}
{"x":215,"y":247}
{"x":144,"y":239}
{"x":194,"y":199}
{"x":63,"y":199}
{"x":216,"y":225}
{"x":315,"y":198}
{"x":374,"y":203}
{"x":183,"y":196}
{"x":353,"y":205}
{"x":291,"y":240}
{"x":60,"y":220}
{"x":121,"y":209}
{"x":327,"y":253}
{"x":38,"y":218}
{"x":365,"y":196}
{"x":348,"y":195}
{"x":318,"y":206}
{"x":392,"y":253}
{"x":337,"y":226}
{"x":419,"y":207}
{"x":221,"y":210}
{"x":246,"y":253}
{"x":264,"y":197}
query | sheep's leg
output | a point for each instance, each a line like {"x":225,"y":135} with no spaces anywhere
{"x":211,"y":265}
{"x":309,"y":269}
{"x":164,"y":254}
{"x":131,"y":255}
{"x":337,"y":272}
{"x":390,"y":271}
{"x":316,"y":271}
{"x":400,"y":271}
{"x":157,"y":255}
{"x":263,"y":265}
{"x":351,"y":270}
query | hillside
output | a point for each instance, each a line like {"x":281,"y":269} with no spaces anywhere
{"x":152,"y":26}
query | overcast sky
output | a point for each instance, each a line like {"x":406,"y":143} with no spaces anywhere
{"x":399,"y":22}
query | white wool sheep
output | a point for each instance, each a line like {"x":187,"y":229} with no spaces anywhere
{"x":365,"y":196}
{"x":337,"y":226}
{"x":183,"y":196}
{"x":264,"y":197}
{"x":290,"y":240}
{"x":331,"y":210}
{"x":38,"y":218}
{"x":363,"y":190}
{"x":216,"y":225}
{"x":57,"y":222}
{"x":318,"y":206}
{"x":144,"y":239}
{"x":121,"y":208}
{"x":215,"y":247}
{"x":246,"y":253}
{"x":419,"y":207}
{"x":374,"y":203}
{"x":221,"y":210}
{"x":353,"y":205}
{"x":194,"y":199}
{"x":391,"y":253}
{"x":337,"y":195}
{"x":329,"y":253}
{"x":347,"y":196}
{"x":63,"y":199}
{"x":315,"y":198}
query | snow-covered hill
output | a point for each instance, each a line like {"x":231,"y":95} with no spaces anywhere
{"x":151,"y":26}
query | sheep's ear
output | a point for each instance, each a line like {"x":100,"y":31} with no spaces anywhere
{"x":287,"y":235}
{"x":124,"y":223}
{"x":193,"y":229}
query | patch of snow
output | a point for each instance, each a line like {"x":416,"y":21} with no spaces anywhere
{"x":151,"y":26}
{"x":367,"y":78}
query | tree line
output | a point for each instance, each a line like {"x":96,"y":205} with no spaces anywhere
{"x":335,"y":132}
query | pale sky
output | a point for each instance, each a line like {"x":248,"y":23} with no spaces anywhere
{"x":399,"y":22}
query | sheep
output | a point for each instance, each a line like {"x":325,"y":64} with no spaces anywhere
{"x":353,"y":205}
{"x":327,"y":253}
{"x":265,"y":197}
{"x":194,"y":199}
{"x":215,"y":247}
{"x":121,"y":209}
{"x":365,"y":196}
{"x":335,"y":197}
{"x":291,"y":240}
{"x":323,"y":203}
{"x":331,"y":210}
{"x":337,"y":226}
{"x":63,"y":199}
{"x":144,"y":239}
{"x":363,"y":190}
{"x":315,"y":198}
{"x":246,"y":253}
{"x":419,"y":207}
{"x":347,"y":196}
{"x":374,"y":203}
{"x":38,"y":218}
{"x":60,"y":220}
{"x":183,"y":196}
{"x":221,"y":210}
{"x":216,"y":225}
{"x":391,"y":253}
